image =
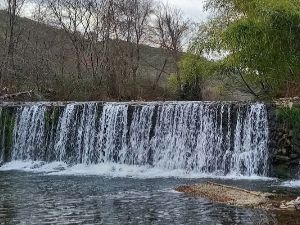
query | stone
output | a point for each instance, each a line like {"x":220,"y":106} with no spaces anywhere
{"x":230,"y":195}
{"x":282,"y":159}
{"x":282,"y":171}
{"x":294,"y":156}
{"x":292,"y":205}
{"x":288,"y":142}
{"x":282,"y":151}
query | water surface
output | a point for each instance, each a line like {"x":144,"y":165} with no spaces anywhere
{"x":29,"y":198}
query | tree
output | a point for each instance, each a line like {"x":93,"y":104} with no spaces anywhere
{"x":262,"y":39}
{"x":88,"y":50}
{"x":194,"y":71}
{"x":73,"y":16}
{"x":106,"y":36}
{"x":170,"y":28}
{"x":133,"y":29}
{"x":7,"y":63}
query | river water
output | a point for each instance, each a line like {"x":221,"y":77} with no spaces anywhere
{"x":31,"y":198}
{"x":119,"y":163}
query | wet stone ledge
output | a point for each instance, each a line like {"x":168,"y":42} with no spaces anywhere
{"x":284,"y":126}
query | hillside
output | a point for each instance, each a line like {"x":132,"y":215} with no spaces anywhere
{"x":45,"y":62}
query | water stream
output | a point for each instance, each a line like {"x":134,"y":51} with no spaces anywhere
{"x":195,"y":137}
{"x":127,"y":159}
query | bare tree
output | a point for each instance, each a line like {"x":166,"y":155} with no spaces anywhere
{"x":133,"y":27}
{"x":87,"y":47}
{"x":170,"y":29}
{"x":73,"y":16}
{"x":7,"y":64}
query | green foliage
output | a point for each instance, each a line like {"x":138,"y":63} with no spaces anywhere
{"x":194,"y":71}
{"x":262,"y":39}
{"x":173,"y":82}
{"x":290,"y":117}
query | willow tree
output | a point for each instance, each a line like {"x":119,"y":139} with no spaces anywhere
{"x":194,"y":72}
{"x":261,"y":39}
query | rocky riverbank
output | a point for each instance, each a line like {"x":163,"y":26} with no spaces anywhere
{"x":234,"y":196}
{"x":226,"y":194}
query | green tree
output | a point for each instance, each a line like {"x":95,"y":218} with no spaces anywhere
{"x":194,"y":71}
{"x":261,"y":39}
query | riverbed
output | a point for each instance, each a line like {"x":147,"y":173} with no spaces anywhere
{"x":39,"y":198}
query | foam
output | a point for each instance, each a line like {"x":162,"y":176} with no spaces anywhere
{"x":293,"y":183}
{"x":33,"y":166}
{"x":112,"y":170}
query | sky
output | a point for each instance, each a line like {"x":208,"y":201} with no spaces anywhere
{"x":192,"y":9}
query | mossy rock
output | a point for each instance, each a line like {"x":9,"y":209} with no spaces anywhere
{"x":7,"y":123}
{"x":282,"y":171}
{"x":289,"y":119}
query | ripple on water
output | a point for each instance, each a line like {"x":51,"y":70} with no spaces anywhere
{"x":30,"y":199}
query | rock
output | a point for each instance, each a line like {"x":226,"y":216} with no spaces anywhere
{"x":282,"y":159}
{"x":294,"y":156}
{"x":287,"y":207}
{"x":282,"y":171}
{"x":295,"y":162}
{"x":297,"y":148}
{"x":227,"y":194}
{"x":288,"y":142}
{"x":281,"y":141}
{"x":292,"y":205}
{"x":282,"y":151}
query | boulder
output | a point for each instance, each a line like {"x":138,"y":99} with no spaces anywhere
{"x":291,"y":205}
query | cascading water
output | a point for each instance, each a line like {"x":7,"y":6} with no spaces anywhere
{"x":29,"y":133}
{"x":198,"y":137}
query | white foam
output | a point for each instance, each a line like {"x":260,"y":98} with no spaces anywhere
{"x":33,"y":166}
{"x":113,"y":170}
{"x":293,"y":183}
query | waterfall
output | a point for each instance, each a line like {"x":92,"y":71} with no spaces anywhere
{"x":199,"y":137}
{"x":29,"y":133}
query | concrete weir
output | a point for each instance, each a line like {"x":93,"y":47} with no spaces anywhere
{"x":215,"y":138}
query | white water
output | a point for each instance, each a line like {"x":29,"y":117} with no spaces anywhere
{"x":293,"y":184}
{"x":29,"y":133}
{"x":170,"y":139}
{"x":114,"y":170}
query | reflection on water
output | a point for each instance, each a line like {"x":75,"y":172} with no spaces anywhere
{"x":36,"y":199}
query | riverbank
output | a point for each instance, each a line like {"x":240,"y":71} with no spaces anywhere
{"x":234,"y":196}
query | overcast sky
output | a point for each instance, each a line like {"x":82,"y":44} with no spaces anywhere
{"x":192,"y":9}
